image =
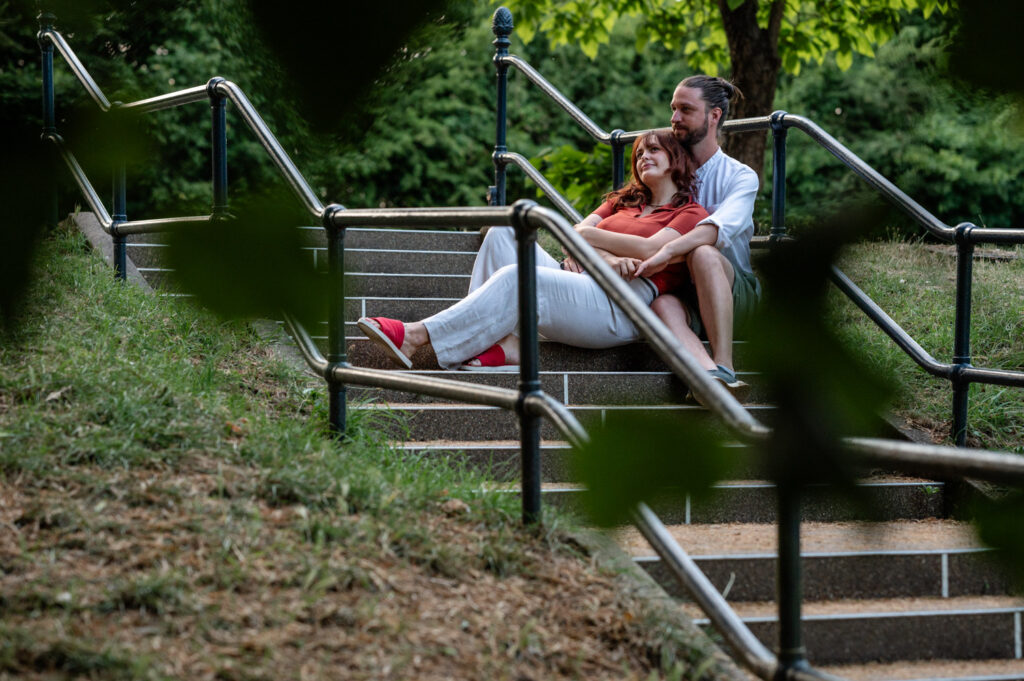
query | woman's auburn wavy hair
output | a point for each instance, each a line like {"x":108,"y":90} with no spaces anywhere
{"x":681,"y":169}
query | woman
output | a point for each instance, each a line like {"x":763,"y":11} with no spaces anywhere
{"x":479,"y":332}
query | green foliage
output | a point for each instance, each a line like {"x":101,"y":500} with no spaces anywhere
{"x":999,"y":526}
{"x":914,"y":283}
{"x":808,"y":33}
{"x":226,"y":263}
{"x":581,"y":177}
{"x":953,"y":151}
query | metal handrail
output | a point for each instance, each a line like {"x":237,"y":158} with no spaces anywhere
{"x":941,"y":461}
{"x":960,"y":372}
{"x":663,"y":341}
{"x":995,"y":466}
{"x":542,"y":183}
{"x":57,"y":40}
{"x":218,"y":87}
{"x":447,"y":388}
{"x":80,"y":178}
{"x":277,"y":153}
{"x":169,"y":100}
{"x":566,"y":104}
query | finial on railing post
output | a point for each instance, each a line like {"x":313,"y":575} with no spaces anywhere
{"x":502,"y":26}
{"x":778,"y":175}
{"x":46,"y":21}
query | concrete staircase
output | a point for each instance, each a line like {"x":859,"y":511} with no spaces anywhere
{"x":885,"y":599}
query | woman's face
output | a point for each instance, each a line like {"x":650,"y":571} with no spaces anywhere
{"x":652,"y":161}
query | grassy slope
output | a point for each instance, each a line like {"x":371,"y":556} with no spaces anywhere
{"x":169,"y":509}
{"x":915,"y":285}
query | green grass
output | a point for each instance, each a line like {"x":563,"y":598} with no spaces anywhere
{"x":915,"y":285}
{"x":173,"y":508}
{"x":106,"y":375}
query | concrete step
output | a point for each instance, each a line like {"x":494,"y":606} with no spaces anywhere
{"x":634,"y":357}
{"x":499,"y":460}
{"x":933,"y":670}
{"x":746,"y":502}
{"x":841,"y":560}
{"x":568,"y":387}
{"x":374,"y":285}
{"x":889,"y":630}
{"x":435,"y":421}
{"x":399,"y":239}
{"x":415,"y":246}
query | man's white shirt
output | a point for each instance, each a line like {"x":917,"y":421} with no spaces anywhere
{"x":727,"y":189}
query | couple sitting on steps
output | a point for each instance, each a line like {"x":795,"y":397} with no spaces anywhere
{"x":679,"y":233}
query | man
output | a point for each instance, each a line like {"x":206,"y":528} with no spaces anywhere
{"x":717,"y":252}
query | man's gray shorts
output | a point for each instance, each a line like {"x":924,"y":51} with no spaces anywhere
{"x":746,"y":294}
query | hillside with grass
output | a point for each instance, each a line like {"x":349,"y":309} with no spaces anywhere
{"x":914,"y":283}
{"x":170,"y":507}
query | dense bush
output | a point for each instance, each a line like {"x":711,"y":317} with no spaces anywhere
{"x":425,"y":133}
{"x":953,"y":150}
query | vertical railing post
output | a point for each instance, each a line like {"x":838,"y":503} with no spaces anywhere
{"x":49,"y":212}
{"x":789,"y":584}
{"x":962,"y":331}
{"x":529,"y":362}
{"x":219,"y":147}
{"x":336,"y":353}
{"x":778,"y":176}
{"x":119,"y":202}
{"x":618,"y":159}
{"x":501,"y":25}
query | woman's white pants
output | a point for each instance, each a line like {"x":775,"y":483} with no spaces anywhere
{"x":571,"y":307}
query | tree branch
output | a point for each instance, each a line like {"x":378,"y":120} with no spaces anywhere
{"x":778,"y":11}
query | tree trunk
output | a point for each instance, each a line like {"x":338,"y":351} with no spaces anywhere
{"x":754,"y":53}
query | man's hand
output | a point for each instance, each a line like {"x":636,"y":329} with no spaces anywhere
{"x":654,"y":264}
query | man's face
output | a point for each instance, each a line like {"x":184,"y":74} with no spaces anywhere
{"x":690,"y":116}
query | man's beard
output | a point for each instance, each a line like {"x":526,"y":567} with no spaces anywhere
{"x":694,"y":137}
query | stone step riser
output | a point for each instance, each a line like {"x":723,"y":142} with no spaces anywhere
{"x":636,"y":357}
{"x":449,"y":287}
{"x":356,"y":261}
{"x":743,"y":504}
{"x":849,"y":576}
{"x":357,"y":238}
{"x":566,"y":387}
{"x":900,"y":637}
{"x":502,"y":463}
{"x":427,"y":422}
{"x":400,"y":239}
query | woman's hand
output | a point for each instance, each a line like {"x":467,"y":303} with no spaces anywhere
{"x":654,"y":264}
{"x":569,"y":264}
{"x":625,"y":267}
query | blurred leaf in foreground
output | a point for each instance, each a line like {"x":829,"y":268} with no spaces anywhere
{"x":251,"y":264}
{"x":821,"y":389}
{"x":648,"y":456}
{"x":999,"y":526}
